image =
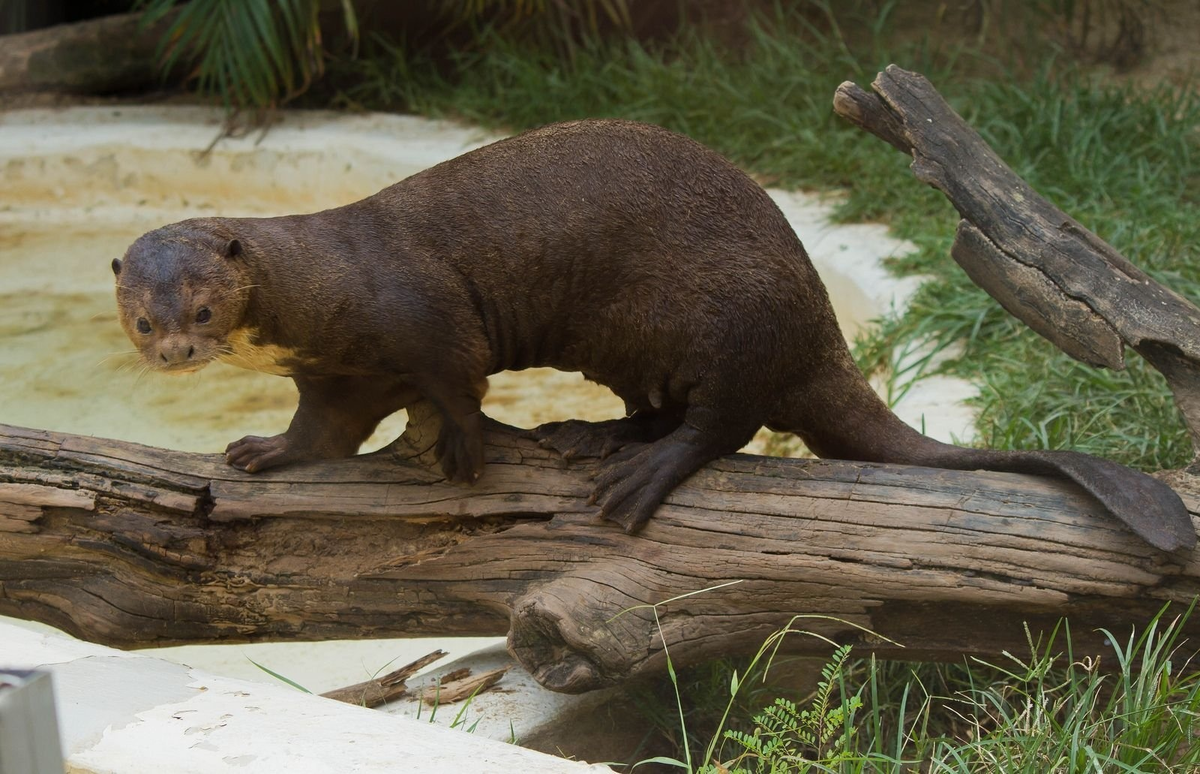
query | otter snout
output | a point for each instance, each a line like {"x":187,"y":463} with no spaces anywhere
{"x":178,"y":353}
{"x":175,"y":350}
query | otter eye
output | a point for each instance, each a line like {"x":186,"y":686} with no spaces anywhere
{"x":203,"y":315}
{"x":143,"y":325}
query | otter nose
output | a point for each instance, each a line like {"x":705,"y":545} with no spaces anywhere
{"x":174,"y":350}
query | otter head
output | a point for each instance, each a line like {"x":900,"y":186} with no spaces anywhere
{"x":181,"y":291}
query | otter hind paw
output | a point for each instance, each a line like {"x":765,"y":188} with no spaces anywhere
{"x":631,"y":486}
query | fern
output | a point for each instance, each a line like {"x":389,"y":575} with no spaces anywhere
{"x":787,"y":738}
{"x":262,"y":53}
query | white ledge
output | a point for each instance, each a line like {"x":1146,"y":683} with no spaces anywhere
{"x":122,"y":712}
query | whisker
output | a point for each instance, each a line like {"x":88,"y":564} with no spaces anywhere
{"x":234,"y":291}
{"x":111,"y":355}
{"x":130,"y":365}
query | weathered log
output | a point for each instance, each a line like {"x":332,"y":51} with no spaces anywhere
{"x":109,"y":54}
{"x":134,"y":546}
{"x":1043,"y":266}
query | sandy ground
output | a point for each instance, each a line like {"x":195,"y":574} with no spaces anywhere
{"x":77,"y":185}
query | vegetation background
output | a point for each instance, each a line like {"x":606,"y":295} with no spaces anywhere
{"x":1095,"y":102}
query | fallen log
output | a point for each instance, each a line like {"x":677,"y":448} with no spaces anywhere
{"x":133,"y":546}
{"x":97,"y":56}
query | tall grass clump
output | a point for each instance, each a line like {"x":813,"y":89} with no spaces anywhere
{"x":1132,"y":709}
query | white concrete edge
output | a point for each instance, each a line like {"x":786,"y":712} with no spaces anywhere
{"x":520,"y":706}
{"x":31,"y":132}
{"x":122,"y":712}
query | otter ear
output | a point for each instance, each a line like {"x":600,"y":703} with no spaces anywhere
{"x":233,"y":249}
{"x":116,"y":266}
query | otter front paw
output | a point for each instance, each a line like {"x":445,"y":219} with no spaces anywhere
{"x":254,"y":453}
{"x":460,"y":448}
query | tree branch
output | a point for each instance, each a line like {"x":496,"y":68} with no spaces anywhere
{"x":1040,"y":264}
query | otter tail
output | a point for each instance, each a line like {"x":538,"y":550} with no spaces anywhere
{"x":1147,"y":506}
{"x":861,"y":427}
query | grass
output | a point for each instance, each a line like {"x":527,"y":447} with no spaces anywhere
{"x":1046,"y":711}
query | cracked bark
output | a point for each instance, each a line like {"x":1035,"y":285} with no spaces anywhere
{"x":132,"y":546}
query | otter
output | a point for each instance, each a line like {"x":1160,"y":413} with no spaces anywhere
{"x":621,"y":250}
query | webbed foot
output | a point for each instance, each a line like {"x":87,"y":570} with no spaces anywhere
{"x":632,"y":483}
{"x":578,"y":438}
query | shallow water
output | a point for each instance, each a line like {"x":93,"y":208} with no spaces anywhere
{"x":67,"y":365}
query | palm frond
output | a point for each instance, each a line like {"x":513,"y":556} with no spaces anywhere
{"x":250,"y":53}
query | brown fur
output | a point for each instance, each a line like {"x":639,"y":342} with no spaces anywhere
{"x":621,"y":250}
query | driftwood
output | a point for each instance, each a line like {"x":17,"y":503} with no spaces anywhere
{"x":133,"y":546}
{"x":460,"y":685}
{"x":385,"y":688}
{"x":450,"y":688}
{"x":1043,"y":266}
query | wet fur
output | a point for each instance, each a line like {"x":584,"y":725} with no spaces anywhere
{"x":621,"y":250}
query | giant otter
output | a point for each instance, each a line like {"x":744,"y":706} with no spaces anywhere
{"x":624,"y":251}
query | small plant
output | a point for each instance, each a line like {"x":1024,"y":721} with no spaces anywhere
{"x":785,"y":735}
{"x":1052,"y":710}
